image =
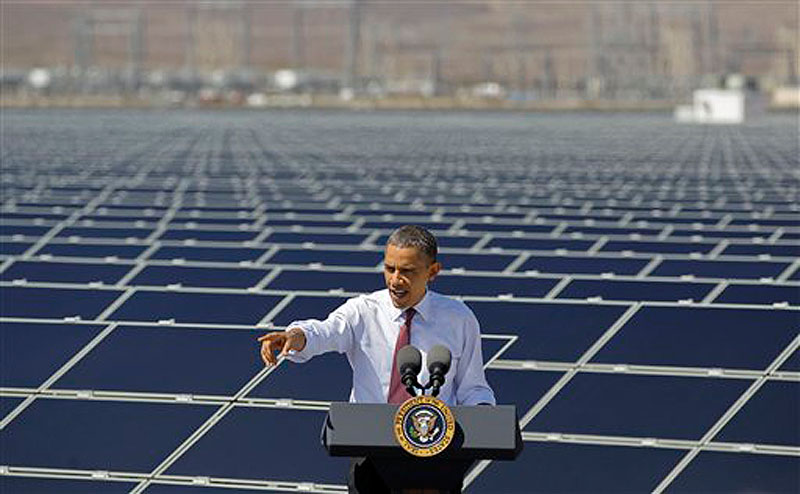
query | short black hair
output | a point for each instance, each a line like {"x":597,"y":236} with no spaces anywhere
{"x":415,"y":236}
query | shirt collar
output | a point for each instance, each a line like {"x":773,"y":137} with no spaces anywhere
{"x":423,"y":307}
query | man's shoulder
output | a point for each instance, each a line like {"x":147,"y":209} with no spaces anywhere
{"x":452,"y":306}
{"x":373,"y":299}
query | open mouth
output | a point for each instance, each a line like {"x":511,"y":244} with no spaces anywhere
{"x":398,"y":293}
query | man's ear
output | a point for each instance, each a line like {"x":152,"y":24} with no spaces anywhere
{"x":433,"y":270}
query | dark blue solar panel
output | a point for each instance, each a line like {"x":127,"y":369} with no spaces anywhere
{"x":88,"y":434}
{"x":222,"y":254}
{"x":657,"y":247}
{"x":771,"y":416}
{"x":546,"y":331}
{"x":317,"y":238}
{"x":33,"y":485}
{"x":759,"y":294}
{"x":30,"y":353}
{"x":306,"y":307}
{"x":310,"y":223}
{"x":571,"y":468}
{"x":453,"y":284}
{"x":327,"y":257}
{"x":326,"y":377}
{"x":61,"y":302}
{"x":446,"y":241}
{"x":521,"y":388}
{"x":499,"y":227}
{"x":391,"y":225}
{"x":33,"y":216}
{"x":168,"y":360}
{"x":701,"y":337}
{"x":788,"y":222}
{"x":223,"y":308}
{"x":636,"y":290}
{"x":792,"y":363}
{"x":599,"y":230}
{"x":156,"y":488}
{"x":62,"y":272}
{"x":235,"y":447}
{"x":723,"y":473}
{"x":229,"y":222}
{"x":32,"y":231}
{"x":590,"y":265}
{"x":327,"y":280}
{"x":783,"y":250}
{"x":476,"y":262}
{"x":731,"y":234}
{"x":215,"y":235}
{"x":540,"y":244}
{"x":14,"y":248}
{"x":7,"y":404}
{"x":719,"y":269}
{"x":199,"y":276}
{"x":489,"y":347}
{"x":92,"y":250}
{"x":639,"y":406}
{"x":91,"y":232}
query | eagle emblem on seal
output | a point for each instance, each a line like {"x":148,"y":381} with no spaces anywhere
{"x":426,"y":426}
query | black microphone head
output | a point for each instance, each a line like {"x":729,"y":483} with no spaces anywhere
{"x":439,"y":360}
{"x":409,"y":360}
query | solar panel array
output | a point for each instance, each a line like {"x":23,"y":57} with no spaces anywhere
{"x":637,"y":283}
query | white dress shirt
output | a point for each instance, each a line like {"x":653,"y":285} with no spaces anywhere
{"x":366,"y":328}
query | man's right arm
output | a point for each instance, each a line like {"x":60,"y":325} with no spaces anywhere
{"x":293,"y":339}
{"x":307,"y":338}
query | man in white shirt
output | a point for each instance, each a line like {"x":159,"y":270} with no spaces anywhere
{"x":366,"y":328}
{"x":370,"y":329}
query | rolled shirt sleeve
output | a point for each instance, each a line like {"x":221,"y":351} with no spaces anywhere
{"x":334,"y":334}
{"x":471,"y":385}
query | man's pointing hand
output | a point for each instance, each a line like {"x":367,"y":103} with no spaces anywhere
{"x":284,"y":341}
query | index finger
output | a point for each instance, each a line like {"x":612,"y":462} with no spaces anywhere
{"x":268,"y":336}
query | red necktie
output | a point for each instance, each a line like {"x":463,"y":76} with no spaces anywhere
{"x":397,"y":391}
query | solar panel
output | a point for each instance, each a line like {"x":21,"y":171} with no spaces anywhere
{"x":701,"y":337}
{"x":769,"y":417}
{"x":625,"y":298}
{"x":592,"y":265}
{"x":235,"y":448}
{"x":183,"y":307}
{"x":92,"y":250}
{"x":546,"y":331}
{"x":56,"y":486}
{"x":719,"y":472}
{"x":197,"y":276}
{"x":167,"y":360}
{"x":720,"y":269}
{"x":65,"y":272}
{"x":578,"y":468}
{"x":638,"y":406}
{"x":327,"y":377}
{"x":636,"y":290}
{"x":61,"y":302}
{"x":152,"y":431}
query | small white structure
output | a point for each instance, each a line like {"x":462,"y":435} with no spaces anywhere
{"x":714,"y":106}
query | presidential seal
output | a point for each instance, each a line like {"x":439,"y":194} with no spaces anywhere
{"x":424,"y":426}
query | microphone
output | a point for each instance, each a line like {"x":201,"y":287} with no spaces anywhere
{"x":409,"y":363}
{"x":438,"y":365}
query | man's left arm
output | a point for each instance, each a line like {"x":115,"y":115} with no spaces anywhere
{"x":470,"y":379}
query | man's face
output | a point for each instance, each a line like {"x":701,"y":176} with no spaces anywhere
{"x":407,"y":272}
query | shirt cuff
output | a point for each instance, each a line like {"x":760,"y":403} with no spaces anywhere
{"x":307,"y":352}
